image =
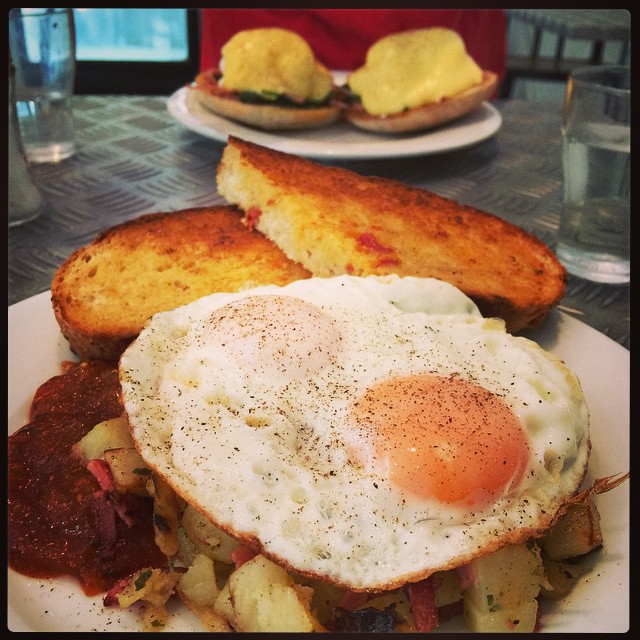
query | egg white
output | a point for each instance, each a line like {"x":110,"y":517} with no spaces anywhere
{"x":268,"y":457}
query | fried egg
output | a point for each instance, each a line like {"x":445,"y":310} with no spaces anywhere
{"x":365,"y":431}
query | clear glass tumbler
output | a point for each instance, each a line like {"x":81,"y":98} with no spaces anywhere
{"x":42,"y":45}
{"x":594,"y":235}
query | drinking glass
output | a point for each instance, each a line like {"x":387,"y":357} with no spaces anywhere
{"x":25,"y":200}
{"x":42,"y":46}
{"x":594,"y":235}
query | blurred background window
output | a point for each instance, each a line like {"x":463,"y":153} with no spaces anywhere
{"x":563,"y":39}
{"x":131,"y":34}
{"x":137,"y":51}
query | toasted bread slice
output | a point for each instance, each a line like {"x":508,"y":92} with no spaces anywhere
{"x":205,"y":93}
{"x":429,"y":115}
{"x":334,"y":221}
{"x":104,"y":293}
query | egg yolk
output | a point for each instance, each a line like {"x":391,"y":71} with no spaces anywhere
{"x":443,"y":438}
{"x":280,"y":338}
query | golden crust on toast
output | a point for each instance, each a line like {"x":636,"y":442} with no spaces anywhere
{"x":205,"y":93}
{"x":334,"y":221}
{"x":429,"y":115}
{"x":104,"y":293}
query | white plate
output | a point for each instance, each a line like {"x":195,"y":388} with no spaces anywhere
{"x":340,"y":141}
{"x":599,"y":603}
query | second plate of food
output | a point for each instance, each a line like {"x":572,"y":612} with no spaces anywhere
{"x":340,"y":141}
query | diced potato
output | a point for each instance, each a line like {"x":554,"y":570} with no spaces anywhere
{"x":561,"y":577}
{"x":223,"y":605}
{"x":265,"y":598}
{"x":576,"y":533}
{"x":198,"y":589}
{"x":153,"y":586}
{"x":206,"y":537}
{"x":187,"y":550}
{"x":502,"y":597}
{"x":505,"y":577}
{"x":212,"y":621}
{"x":110,"y":434}
{"x":165,"y":517}
{"x":326,"y":597}
{"x":449,"y":589}
{"x":520,"y":619}
{"x":198,"y":584}
{"x":130,"y":472}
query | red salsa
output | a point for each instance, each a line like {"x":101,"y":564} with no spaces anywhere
{"x":60,"y":522}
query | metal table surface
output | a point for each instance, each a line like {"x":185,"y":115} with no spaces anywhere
{"x":134,"y":158}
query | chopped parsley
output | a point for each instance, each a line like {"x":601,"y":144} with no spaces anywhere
{"x":142,"y":579}
{"x":280,"y":99}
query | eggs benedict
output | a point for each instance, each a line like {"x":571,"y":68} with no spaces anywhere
{"x":268,"y":78}
{"x":416,"y":80}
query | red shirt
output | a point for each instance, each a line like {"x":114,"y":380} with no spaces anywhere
{"x":340,"y":37}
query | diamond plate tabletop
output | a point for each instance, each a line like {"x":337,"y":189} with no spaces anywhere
{"x":134,"y":158}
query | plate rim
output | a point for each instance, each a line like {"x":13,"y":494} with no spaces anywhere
{"x":378,"y":146}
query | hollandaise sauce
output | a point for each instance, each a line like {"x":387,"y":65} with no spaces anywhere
{"x":274,"y":62}
{"x":413,"y":68}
